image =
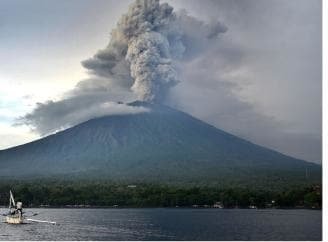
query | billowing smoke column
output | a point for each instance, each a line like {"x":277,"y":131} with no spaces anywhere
{"x":147,"y":41}
{"x":148,"y":44}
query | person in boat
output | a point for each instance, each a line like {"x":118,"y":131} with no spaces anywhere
{"x":18,"y":209}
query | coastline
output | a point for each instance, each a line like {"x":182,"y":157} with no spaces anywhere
{"x":148,"y":207}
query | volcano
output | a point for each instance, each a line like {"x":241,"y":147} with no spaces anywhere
{"x":161,"y":145}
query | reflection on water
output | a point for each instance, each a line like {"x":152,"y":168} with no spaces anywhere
{"x":168,"y":224}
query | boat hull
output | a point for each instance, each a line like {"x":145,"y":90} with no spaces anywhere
{"x":14,"y":219}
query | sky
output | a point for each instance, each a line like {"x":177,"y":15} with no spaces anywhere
{"x":260,"y":79}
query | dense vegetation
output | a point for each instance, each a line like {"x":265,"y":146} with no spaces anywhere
{"x":106,"y":193}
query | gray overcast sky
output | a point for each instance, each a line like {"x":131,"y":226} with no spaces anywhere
{"x":261,"y":81}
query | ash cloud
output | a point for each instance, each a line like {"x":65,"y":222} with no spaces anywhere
{"x":57,"y":116}
{"x":254,"y":82}
{"x":141,"y":62}
{"x":145,"y":46}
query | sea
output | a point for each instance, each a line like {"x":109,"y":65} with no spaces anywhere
{"x":166,"y":224}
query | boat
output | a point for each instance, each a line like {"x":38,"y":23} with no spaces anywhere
{"x":15,"y":215}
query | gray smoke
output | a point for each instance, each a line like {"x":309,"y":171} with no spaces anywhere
{"x":141,"y":62}
{"x":148,"y":41}
{"x":51,"y":117}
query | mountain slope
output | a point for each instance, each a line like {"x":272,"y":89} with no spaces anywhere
{"x":161,"y":145}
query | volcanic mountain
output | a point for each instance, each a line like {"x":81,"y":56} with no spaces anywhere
{"x":162,"y":145}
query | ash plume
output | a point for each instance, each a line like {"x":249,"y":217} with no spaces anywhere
{"x":147,"y":41}
{"x":141,"y":62}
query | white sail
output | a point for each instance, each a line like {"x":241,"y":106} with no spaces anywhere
{"x":11,"y":200}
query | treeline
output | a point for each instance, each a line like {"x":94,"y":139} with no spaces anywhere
{"x":54,"y":193}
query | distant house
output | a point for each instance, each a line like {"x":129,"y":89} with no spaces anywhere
{"x":270,"y":205}
{"x":218,"y":205}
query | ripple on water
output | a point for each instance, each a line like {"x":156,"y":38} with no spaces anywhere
{"x":168,"y":224}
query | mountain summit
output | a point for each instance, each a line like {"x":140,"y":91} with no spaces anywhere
{"x":163,"y":144}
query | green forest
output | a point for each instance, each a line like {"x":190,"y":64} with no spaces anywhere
{"x":54,"y":193}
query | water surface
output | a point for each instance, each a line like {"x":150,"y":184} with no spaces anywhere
{"x":168,"y":224}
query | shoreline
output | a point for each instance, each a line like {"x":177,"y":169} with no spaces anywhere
{"x":131,"y":207}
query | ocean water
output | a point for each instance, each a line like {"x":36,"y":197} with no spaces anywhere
{"x":167,"y":224}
